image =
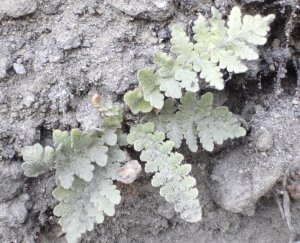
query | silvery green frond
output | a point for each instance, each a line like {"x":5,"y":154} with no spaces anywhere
{"x":85,"y":204}
{"x":196,"y":119}
{"x":177,"y":186}
{"x":37,"y":159}
{"x":218,"y":46}
{"x":86,"y":163}
{"x":135,"y":99}
{"x":150,"y":83}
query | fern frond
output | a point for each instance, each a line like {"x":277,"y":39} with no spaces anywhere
{"x":85,"y":203}
{"x":177,"y":186}
{"x":171,"y":87}
{"x":86,"y":162}
{"x":209,"y":71}
{"x":167,"y":64}
{"x":217,"y":127}
{"x":225,"y":46}
{"x":196,"y":119}
{"x":219,"y":45}
{"x":37,"y":159}
{"x":188,"y":78}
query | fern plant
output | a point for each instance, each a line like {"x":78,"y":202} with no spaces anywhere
{"x":86,"y":164}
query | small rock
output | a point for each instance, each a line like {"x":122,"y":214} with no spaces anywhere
{"x":166,"y":211}
{"x":91,"y":10}
{"x":86,"y":114}
{"x":5,"y":64}
{"x":146,"y":38}
{"x":276,"y":116}
{"x":51,"y":7}
{"x":18,"y":8}
{"x":294,"y":189}
{"x":238,"y":181}
{"x":86,"y":43}
{"x":149,"y":9}
{"x":253,"y":1}
{"x":264,"y":140}
{"x":100,"y":9}
{"x":19,"y":60}
{"x":248,"y":111}
{"x":28,"y":100}
{"x":130,"y":171}
{"x":295,"y":102}
{"x":56,"y":55}
{"x":11,"y":180}
{"x":14,"y":212}
{"x":19,"y":68}
{"x":68,"y":40}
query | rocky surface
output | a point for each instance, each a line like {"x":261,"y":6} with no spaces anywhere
{"x":250,"y":171}
{"x":55,"y":54}
{"x":18,"y":8}
{"x":5,"y":64}
{"x":14,"y":212}
{"x":11,"y":181}
{"x":150,"y":9}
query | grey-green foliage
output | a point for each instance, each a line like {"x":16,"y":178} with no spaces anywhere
{"x":195,"y":118}
{"x":148,"y":96}
{"x":177,"y":186}
{"x":85,"y":203}
{"x":217,"y":46}
{"x":38,"y":160}
{"x":85,"y":163}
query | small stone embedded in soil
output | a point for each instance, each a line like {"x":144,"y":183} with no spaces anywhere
{"x":56,"y":55}
{"x":253,"y":1}
{"x":130,"y":171}
{"x":11,"y":180}
{"x":248,"y":111}
{"x":166,"y":211}
{"x":51,"y":7}
{"x":18,"y":8}
{"x":68,"y":40}
{"x":149,"y":9}
{"x":5,"y":64}
{"x":264,"y":140}
{"x":19,"y":68}
{"x":13,"y":213}
{"x":86,"y":114}
{"x":294,"y":189}
{"x":238,"y":192}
